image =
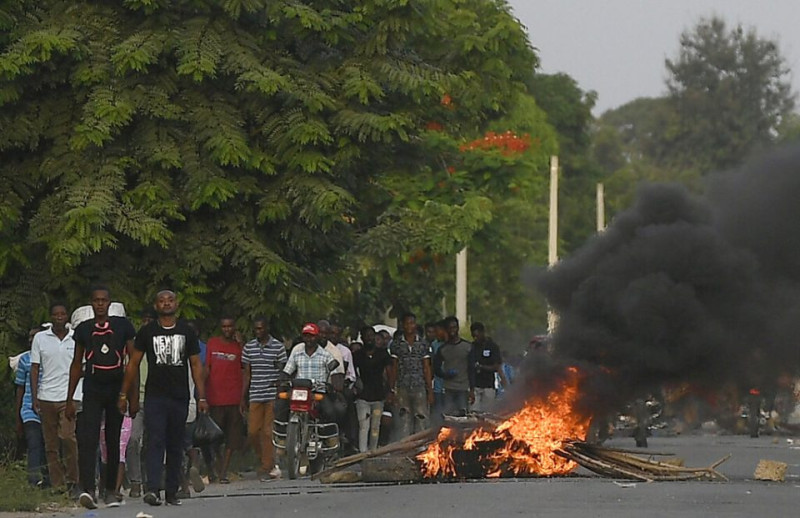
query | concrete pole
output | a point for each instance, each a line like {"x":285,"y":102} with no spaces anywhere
{"x":552,"y":317}
{"x":461,"y":287}
{"x":601,"y":208}
{"x":552,"y":234}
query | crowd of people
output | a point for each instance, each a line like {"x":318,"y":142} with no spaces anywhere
{"x":96,"y":398}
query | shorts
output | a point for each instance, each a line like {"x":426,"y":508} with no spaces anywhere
{"x":229,"y":419}
{"x":124,"y":437}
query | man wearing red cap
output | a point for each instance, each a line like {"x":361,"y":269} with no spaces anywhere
{"x":308,"y":360}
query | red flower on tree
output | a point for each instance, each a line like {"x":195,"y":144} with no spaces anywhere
{"x":509,"y":143}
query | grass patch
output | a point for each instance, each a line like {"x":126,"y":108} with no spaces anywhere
{"x":17,"y":495}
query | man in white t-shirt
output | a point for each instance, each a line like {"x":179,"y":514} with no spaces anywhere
{"x":51,"y":356}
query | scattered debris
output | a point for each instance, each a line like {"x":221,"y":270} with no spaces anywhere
{"x":771,"y":470}
{"x":391,"y":468}
{"x":617,"y":463}
{"x":410,"y":443}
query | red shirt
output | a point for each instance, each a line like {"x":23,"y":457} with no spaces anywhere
{"x":224,"y":364}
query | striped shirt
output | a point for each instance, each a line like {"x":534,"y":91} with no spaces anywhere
{"x":264,"y":361}
{"x":23,"y":379}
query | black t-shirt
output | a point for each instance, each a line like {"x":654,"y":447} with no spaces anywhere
{"x":486,"y":353}
{"x":168,"y":352}
{"x":370,"y":370}
{"x":121,"y":330}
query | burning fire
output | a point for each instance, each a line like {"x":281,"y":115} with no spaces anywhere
{"x":524,"y":444}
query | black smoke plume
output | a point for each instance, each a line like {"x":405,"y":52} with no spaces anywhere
{"x":686,"y":288}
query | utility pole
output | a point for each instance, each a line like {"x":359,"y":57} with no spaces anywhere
{"x":601,"y":208}
{"x":461,"y":286}
{"x":552,"y":242}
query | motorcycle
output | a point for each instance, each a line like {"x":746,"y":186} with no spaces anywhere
{"x":306,"y":440}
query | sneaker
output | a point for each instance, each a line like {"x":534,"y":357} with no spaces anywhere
{"x":136,"y":490}
{"x":152,"y":498}
{"x":87,"y":501}
{"x":183,"y":493}
{"x":113,"y":499}
{"x":275,"y":473}
{"x":197,"y":481}
{"x":173,"y":500}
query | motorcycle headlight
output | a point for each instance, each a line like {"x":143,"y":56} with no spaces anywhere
{"x":299,"y":395}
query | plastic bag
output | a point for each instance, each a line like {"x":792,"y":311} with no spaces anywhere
{"x":206,"y":431}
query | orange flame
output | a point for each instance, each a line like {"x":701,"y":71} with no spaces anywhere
{"x":525,"y":444}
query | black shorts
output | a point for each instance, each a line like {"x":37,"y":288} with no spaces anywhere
{"x":229,"y":419}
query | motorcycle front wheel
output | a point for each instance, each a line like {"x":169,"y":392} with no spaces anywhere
{"x":294,"y":445}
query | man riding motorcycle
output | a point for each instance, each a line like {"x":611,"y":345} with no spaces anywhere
{"x":302,"y":432}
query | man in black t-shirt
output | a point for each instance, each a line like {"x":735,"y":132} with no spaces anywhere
{"x":487,"y":362}
{"x":103,"y":343}
{"x":171,"y":346}
{"x":375,"y":368}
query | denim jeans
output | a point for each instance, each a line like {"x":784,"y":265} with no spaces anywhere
{"x":438,"y":408}
{"x":484,"y":399}
{"x":369,"y":424}
{"x":412,"y":412}
{"x":164,"y":423}
{"x":456,"y":401}
{"x":36,"y":459}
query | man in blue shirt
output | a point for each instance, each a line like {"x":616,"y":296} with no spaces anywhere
{"x":28,"y":422}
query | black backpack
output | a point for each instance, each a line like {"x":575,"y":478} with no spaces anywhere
{"x":103,"y":356}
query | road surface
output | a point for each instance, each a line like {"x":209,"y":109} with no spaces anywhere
{"x":581,"y":495}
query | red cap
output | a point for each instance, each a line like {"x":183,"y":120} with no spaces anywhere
{"x":310,"y":329}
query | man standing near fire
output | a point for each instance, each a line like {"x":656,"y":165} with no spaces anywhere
{"x":452,"y":363}
{"x":487,"y":362}
{"x":414,"y":386}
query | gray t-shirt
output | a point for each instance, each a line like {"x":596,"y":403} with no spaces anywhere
{"x":456,"y":357}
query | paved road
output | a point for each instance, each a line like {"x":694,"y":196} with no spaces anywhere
{"x":582,"y":495}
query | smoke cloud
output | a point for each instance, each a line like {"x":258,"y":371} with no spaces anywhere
{"x":680,"y":287}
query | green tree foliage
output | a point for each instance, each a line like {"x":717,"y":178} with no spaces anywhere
{"x":729,"y":96}
{"x":730,"y":90}
{"x":491,"y":195}
{"x":631,"y":144}
{"x":250,"y":154}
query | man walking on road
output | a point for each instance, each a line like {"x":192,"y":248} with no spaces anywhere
{"x":103,"y":342}
{"x":51,"y":356}
{"x":263,"y":359}
{"x":171,"y":347}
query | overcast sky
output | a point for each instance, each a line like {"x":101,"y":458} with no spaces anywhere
{"x":618,"y":47}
